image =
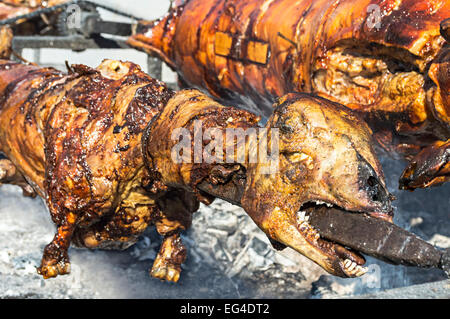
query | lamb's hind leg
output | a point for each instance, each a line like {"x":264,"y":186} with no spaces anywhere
{"x":172,"y":254}
{"x":55,"y":260}
{"x":176,"y":215}
{"x":10,"y":175}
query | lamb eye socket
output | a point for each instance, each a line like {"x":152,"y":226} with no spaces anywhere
{"x":372,"y":181}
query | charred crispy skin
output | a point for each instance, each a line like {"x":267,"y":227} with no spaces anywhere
{"x":394,"y":70}
{"x":97,"y":145}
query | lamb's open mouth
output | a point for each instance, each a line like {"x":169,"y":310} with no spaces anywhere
{"x":348,"y":260}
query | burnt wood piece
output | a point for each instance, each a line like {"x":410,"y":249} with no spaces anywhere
{"x":377,"y":238}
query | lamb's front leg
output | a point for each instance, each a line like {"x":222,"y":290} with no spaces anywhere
{"x":55,"y":260}
{"x":172,"y":254}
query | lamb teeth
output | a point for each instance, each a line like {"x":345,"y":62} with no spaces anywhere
{"x":362,"y":270}
{"x":319,"y":202}
{"x":354,"y":269}
{"x":352,"y":266}
{"x":347,"y":263}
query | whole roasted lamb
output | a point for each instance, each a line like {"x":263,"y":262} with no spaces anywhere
{"x":102,"y":147}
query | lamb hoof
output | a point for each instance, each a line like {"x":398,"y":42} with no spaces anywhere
{"x":51,"y":271}
{"x":168,"y":273}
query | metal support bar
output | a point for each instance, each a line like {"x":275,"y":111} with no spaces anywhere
{"x":94,"y":25}
{"x":75,"y":43}
{"x":154,"y":67}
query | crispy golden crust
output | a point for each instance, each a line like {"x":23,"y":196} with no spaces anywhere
{"x":77,"y":140}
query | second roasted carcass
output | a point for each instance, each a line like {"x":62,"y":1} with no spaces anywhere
{"x":112,"y":151}
{"x":389,"y":60}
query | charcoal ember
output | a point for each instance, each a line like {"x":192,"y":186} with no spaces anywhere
{"x":218,"y":253}
{"x":328,"y":288}
{"x":145,"y":249}
{"x":224,"y":237}
{"x":254,"y":257}
{"x":223,"y":220}
{"x":445,"y":261}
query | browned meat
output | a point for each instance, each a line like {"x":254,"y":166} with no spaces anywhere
{"x":101,"y":147}
{"x":386,"y":59}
